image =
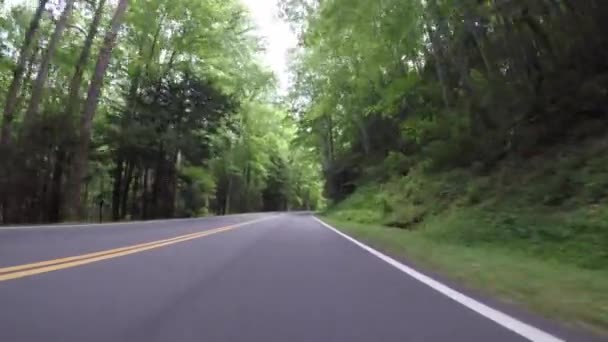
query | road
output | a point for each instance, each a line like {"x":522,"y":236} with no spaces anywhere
{"x":259,"y":277}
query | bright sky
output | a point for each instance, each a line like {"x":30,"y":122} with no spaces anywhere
{"x":278,"y":36}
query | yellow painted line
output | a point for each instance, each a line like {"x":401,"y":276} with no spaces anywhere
{"x":86,"y":256}
{"x":27,"y":270}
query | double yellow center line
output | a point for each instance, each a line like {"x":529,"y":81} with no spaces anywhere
{"x":27,"y":270}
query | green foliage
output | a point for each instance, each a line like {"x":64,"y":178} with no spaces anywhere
{"x":467,"y":83}
{"x":473,"y":132}
{"x":196,"y":191}
{"x":548,"y":209}
{"x":187,"y":124}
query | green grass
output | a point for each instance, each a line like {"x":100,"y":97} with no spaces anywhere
{"x":557,"y":290}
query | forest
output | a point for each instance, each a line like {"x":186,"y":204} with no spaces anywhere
{"x":449,"y":84}
{"x":469,"y":135}
{"x":419,"y":108}
{"x":135,"y":109}
{"x":466,"y":136}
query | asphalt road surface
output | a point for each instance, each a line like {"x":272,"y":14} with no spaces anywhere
{"x":259,"y":277}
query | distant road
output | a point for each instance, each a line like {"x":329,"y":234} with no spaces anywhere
{"x":258,"y":277}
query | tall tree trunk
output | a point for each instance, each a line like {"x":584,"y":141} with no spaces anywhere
{"x":45,"y":64}
{"x":154,"y":44}
{"x":7,"y":174}
{"x":228,"y":191}
{"x":440,"y":70}
{"x":436,"y":34}
{"x":158,"y":180}
{"x":31,"y":66}
{"x":85,"y":198}
{"x":364,"y":134}
{"x":144,"y":196}
{"x":83,"y":60}
{"x":117,"y":188}
{"x":171,"y":188}
{"x":471,"y":25}
{"x":330,"y":138}
{"x":247,"y":201}
{"x":134,"y":194}
{"x":46,"y":188}
{"x":13,"y":90}
{"x":81,"y":154}
{"x":125,"y":189}
{"x":54,"y":212}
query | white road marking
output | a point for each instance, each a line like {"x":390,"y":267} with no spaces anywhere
{"x":525,"y":330}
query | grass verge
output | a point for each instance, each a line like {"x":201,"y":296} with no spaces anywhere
{"x":558,"y":290}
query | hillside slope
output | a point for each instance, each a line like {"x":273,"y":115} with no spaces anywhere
{"x":532,"y":230}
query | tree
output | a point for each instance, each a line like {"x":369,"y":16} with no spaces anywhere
{"x":447,"y":83}
{"x":83,"y":59}
{"x":175,"y":121}
{"x":11,"y":98}
{"x":45,"y":63}
{"x":73,"y":200}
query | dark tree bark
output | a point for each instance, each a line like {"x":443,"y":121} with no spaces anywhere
{"x":31,"y":66}
{"x":10,"y":105}
{"x":163,"y":190}
{"x":118,"y":171}
{"x":54,"y":212}
{"x":81,"y":155}
{"x":154,"y":44}
{"x":158,"y":179}
{"x":124,"y":198}
{"x":228,"y":191}
{"x":45,"y":64}
{"x":330,"y":139}
{"x":134,"y":210}
{"x":83,"y":59}
{"x":436,"y":34}
{"x":144,"y":196}
{"x":172,"y":186}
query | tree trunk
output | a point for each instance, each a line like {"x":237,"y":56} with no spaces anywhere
{"x":81,"y":155}
{"x":7,"y":172}
{"x":228,"y":191}
{"x":125,"y":190}
{"x":154,"y":44}
{"x":76,"y":82}
{"x":13,"y":90}
{"x":247,"y":202}
{"x":31,"y":66}
{"x":172,"y":185}
{"x":144,"y":196}
{"x":134,"y":205}
{"x":330,"y":138}
{"x":441,"y":73}
{"x":365,"y":141}
{"x":117,"y":188}
{"x":86,"y":197}
{"x":156,"y":186}
{"x":45,"y":190}
{"x":54,"y":214}
{"x":435,"y":34}
{"x":45,"y":64}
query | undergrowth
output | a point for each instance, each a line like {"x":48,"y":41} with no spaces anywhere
{"x":551,"y":206}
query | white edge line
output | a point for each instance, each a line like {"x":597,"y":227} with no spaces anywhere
{"x":511,"y":323}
